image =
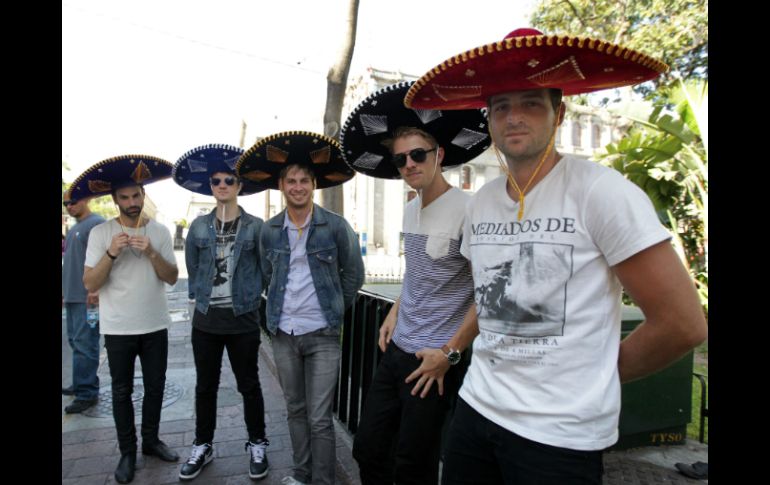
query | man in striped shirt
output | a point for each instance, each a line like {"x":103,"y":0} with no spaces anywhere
{"x":434,"y":319}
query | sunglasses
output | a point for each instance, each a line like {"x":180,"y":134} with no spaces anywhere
{"x":68,"y":203}
{"x":216,"y":180}
{"x":418,"y":155}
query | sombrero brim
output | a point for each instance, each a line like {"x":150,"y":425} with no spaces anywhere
{"x":575,"y":65}
{"x":193,"y":169}
{"x":263,"y":162}
{"x":462,"y":133}
{"x":116,"y":172}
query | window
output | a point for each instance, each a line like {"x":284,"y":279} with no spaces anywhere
{"x":596,"y":135}
{"x":577,"y":133}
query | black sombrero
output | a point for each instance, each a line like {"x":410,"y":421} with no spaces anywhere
{"x":462,"y":133}
{"x":263,"y":162}
{"x":193,"y":169}
{"x":116,"y":172}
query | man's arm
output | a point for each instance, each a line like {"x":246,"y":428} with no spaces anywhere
{"x":264,"y":262}
{"x":95,"y":277}
{"x":191,"y":262}
{"x":389,"y":325}
{"x":164,"y":270}
{"x":674,"y":323}
{"x":351,"y":265}
{"x":435,"y":364}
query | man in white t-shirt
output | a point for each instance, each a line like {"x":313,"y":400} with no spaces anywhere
{"x":552,"y":243}
{"x":129,"y":259}
{"x":434,"y":320}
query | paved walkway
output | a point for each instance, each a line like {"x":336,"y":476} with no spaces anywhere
{"x":90,"y":452}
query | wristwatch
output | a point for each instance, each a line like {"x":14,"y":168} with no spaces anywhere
{"x":452,"y":355}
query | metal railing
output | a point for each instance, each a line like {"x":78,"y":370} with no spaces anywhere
{"x":360,"y":354}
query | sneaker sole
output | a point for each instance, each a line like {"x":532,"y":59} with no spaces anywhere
{"x":262,"y":475}
{"x":206,"y":461}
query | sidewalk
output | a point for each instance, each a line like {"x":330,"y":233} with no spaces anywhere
{"x":90,"y":452}
{"x":89,"y":445}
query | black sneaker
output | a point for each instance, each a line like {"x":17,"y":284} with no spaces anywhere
{"x":258,"y":465}
{"x":200,"y":456}
{"x":80,"y":405}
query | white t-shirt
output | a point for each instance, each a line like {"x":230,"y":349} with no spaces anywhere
{"x":133,"y":299}
{"x":545,"y":363}
{"x":438,"y":287}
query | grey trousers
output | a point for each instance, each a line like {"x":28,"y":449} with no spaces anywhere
{"x":308,"y":366}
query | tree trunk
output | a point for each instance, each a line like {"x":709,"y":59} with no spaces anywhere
{"x":336,"y":82}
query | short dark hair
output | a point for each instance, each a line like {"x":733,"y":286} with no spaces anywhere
{"x":114,"y":191}
{"x":305,"y":168}
{"x":555,"y":95}
{"x":404,"y":131}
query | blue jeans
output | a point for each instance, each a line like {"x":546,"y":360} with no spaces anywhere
{"x":243,"y":352}
{"x":399,"y":435}
{"x":480,"y":452}
{"x":84,"y":342}
{"x":122,"y":350}
{"x":308,"y":368}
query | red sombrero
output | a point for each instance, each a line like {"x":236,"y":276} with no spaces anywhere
{"x":527,"y":59}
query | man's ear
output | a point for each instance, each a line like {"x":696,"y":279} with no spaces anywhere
{"x":560,"y":114}
{"x":440,"y":155}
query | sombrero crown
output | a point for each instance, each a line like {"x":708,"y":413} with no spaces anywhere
{"x":116,"y":172}
{"x":462,"y":133}
{"x":193,"y":169}
{"x":263,"y":162}
{"x":528,"y":59}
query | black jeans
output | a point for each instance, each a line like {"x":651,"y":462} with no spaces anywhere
{"x":399,"y":435}
{"x":243,"y":352}
{"x":122,"y":350}
{"x":480,"y":452}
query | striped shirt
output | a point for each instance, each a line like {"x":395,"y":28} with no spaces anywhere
{"x":438,"y":286}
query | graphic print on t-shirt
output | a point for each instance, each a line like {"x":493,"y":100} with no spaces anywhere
{"x":221,"y":291}
{"x":524,"y":293}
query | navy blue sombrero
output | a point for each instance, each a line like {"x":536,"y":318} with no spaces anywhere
{"x":116,"y":172}
{"x":193,"y":169}
{"x":263,"y":162}
{"x":462,"y":133}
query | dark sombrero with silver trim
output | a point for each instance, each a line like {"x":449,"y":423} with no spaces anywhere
{"x":193,"y":169}
{"x":462,"y":133}
{"x":121,"y":171}
{"x":528,"y":59}
{"x":263,"y":162}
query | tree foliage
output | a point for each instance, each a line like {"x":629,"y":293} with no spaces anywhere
{"x":666,"y":154}
{"x":674,"y":31}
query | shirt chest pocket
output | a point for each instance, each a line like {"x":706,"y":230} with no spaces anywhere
{"x":437,"y":245}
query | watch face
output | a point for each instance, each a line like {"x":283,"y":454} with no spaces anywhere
{"x":453,"y":357}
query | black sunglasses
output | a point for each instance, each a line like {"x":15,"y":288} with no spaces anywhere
{"x":228,"y":180}
{"x":68,"y":203}
{"x":418,"y":155}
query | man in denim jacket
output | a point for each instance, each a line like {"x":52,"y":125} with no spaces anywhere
{"x":225,"y":280}
{"x":312,"y":261}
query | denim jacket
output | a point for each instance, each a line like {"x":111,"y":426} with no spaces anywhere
{"x":199,"y":251}
{"x":334,"y":258}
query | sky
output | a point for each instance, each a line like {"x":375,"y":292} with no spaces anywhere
{"x":160,"y":77}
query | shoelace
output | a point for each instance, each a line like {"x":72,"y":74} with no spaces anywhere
{"x":257,"y":450}
{"x":197,"y":452}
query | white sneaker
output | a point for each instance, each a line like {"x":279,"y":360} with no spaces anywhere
{"x":200,"y":456}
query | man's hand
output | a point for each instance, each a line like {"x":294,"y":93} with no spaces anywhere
{"x":92,"y":298}
{"x":433,"y":368}
{"x":386,"y":331}
{"x":119,"y":241}
{"x":142,"y":243}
